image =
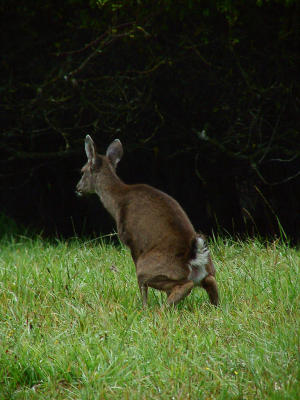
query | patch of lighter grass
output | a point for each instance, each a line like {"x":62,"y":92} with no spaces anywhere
{"x":72,"y":325}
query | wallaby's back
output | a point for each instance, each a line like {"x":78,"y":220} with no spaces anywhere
{"x":150,"y":219}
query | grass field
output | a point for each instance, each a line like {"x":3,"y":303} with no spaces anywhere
{"x":72,"y":325}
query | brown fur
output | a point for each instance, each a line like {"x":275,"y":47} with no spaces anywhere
{"x":152,"y":224}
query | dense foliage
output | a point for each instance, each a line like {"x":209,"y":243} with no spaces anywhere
{"x":203,"y":94}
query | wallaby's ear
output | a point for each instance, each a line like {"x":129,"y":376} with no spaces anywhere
{"x":114,"y":152}
{"x":90,"y":149}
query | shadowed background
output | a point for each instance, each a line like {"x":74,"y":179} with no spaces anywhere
{"x":204,"y":96}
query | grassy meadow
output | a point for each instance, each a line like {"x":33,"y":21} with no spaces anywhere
{"x":72,"y":325}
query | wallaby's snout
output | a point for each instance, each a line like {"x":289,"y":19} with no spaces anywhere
{"x":78,"y":190}
{"x":85,"y":185}
{"x":80,"y":187}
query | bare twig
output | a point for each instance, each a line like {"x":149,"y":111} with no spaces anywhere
{"x":63,"y":134}
{"x":110,"y":39}
{"x":99,"y":38}
{"x":282,"y":160}
{"x":273,"y":135}
{"x":289,"y":178}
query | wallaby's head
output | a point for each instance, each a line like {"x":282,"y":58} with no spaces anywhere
{"x":97,"y":164}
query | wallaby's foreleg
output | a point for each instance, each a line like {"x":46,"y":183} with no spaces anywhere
{"x":210,"y":285}
{"x":179,"y":292}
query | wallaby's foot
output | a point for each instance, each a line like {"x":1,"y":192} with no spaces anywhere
{"x":210,"y":285}
{"x":179,"y":292}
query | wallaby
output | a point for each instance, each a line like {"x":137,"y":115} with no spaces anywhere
{"x":168,"y":254}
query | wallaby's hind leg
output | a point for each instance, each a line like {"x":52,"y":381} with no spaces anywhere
{"x":179,"y":292}
{"x":144,"y":292}
{"x":210,"y":285}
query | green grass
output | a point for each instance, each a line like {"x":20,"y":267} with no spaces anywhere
{"x":73,"y":328}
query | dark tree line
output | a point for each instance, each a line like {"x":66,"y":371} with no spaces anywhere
{"x":204,"y":96}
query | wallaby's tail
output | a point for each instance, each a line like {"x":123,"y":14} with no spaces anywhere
{"x":199,"y":260}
